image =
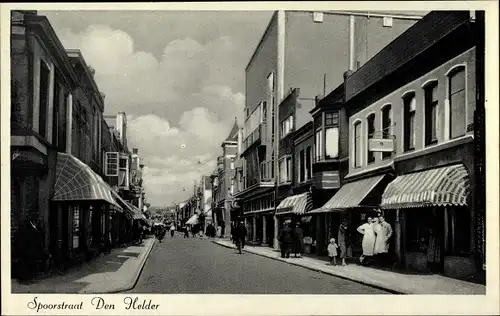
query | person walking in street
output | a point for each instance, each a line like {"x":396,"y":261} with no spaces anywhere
{"x":285,"y":239}
{"x":172,"y":230}
{"x":240,"y":235}
{"x":186,"y":231}
{"x":368,"y":243}
{"x":332,"y":252}
{"x":298,"y":240}
{"x":342,"y":236}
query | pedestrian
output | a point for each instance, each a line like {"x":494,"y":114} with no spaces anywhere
{"x":240,"y":235}
{"x":342,"y":236}
{"x":172,"y":230}
{"x":368,"y":243}
{"x":219,"y":231}
{"x":298,"y":240}
{"x":285,"y":239}
{"x":332,"y":252}
{"x":186,"y":231}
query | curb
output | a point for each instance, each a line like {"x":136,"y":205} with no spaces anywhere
{"x":377,"y":286}
{"x":130,"y":285}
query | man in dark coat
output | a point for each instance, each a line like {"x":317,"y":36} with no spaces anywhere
{"x":240,"y":234}
{"x":285,"y":239}
{"x":298,"y":239}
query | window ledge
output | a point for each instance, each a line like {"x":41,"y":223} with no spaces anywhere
{"x":436,"y":147}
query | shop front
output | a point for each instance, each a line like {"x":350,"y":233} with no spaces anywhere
{"x":82,"y":200}
{"x":293,"y":209}
{"x":436,"y":220}
{"x":354,"y":203}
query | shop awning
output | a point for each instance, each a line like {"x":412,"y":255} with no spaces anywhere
{"x":128,"y":208}
{"x":436,"y":187}
{"x":349,"y":195}
{"x":75,"y":181}
{"x":296,"y":204}
{"x":193,"y":220}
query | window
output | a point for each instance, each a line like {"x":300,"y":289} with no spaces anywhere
{"x":456,"y":97}
{"x":111,"y":166}
{"x":56,"y":113}
{"x":332,"y":135}
{"x":357,"y":144}
{"x":263,"y":170}
{"x":232,"y":164}
{"x":318,"y":143}
{"x":285,"y":169}
{"x":308,"y":163}
{"x":459,"y":232}
{"x":43,"y":98}
{"x":431,"y":113}
{"x":287,"y":126}
{"x":409,"y":104}
{"x":76,"y":227}
{"x":386,"y":127}
{"x":232,"y":186}
{"x":95,"y":134}
{"x":370,"y":122}
{"x":302,"y":166}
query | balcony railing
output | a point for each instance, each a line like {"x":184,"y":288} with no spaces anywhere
{"x":258,"y":134}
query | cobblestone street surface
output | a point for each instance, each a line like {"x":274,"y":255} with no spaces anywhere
{"x":196,"y":266}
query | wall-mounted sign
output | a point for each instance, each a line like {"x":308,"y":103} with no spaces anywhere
{"x":381,"y":145}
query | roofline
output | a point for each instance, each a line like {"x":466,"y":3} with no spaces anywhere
{"x":57,"y":44}
{"x":273,"y":17}
{"x":78,"y":53}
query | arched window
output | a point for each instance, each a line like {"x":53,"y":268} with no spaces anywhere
{"x":370,"y":122}
{"x":431,"y":112}
{"x":357,"y":144}
{"x":409,"y":108}
{"x":456,"y":97}
{"x":387,"y":127}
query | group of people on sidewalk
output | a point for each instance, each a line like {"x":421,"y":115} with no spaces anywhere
{"x":376,"y":234}
{"x":291,"y":239}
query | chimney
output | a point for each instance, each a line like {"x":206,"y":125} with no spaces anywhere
{"x":347,"y":74}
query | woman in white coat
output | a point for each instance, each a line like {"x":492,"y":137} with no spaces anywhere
{"x":368,"y":243}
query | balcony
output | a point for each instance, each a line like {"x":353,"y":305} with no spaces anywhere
{"x":255,"y":138}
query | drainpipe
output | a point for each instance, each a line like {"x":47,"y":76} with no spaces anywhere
{"x":351,"y":42}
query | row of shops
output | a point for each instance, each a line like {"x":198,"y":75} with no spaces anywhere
{"x":421,"y":172}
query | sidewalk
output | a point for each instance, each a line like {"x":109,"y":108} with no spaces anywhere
{"x":390,"y":281}
{"x":115,"y":272}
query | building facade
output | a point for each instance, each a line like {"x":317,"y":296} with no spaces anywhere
{"x":412,"y":144}
{"x":295,"y":52}
{"x":57,"y":144}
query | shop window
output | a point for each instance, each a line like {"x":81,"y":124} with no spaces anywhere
{"x":456,"y":98}
{"x":409,"y":105}
{"x":357,"y":144}
{"x":76,"y":227}
{"x":459,"y":232}
{"x":370,"y":122}
{"x":431,"y":113}
{"x":418,"y":224}
{"x":43,"y":98}
{"x":387,"y":127}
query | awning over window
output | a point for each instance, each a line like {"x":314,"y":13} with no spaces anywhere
{"x":436,"y":187}
{"x":75,"y":181}
{"x":297,"y":204}
{"x":193,"y":220}
{"x":349,"y":195}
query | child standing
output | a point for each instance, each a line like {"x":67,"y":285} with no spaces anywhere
{"x":332,"y":251}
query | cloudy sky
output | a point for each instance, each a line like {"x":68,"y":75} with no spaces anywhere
{"x":180,"y":78}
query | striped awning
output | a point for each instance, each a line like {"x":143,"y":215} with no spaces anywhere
{"x":75,"y":181}
{"x":298,"y":204}
{"x":349,"y":195}
{"x":193,"y":220}
{"x":436,"y":187}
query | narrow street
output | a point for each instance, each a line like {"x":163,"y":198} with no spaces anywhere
{"x":197,"y":266}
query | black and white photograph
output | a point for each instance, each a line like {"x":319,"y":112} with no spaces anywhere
{"x":238,"y":151}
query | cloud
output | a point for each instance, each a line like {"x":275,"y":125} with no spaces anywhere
{"x":180,"y":106}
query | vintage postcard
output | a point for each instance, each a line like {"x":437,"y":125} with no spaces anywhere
{"x":252,"y":158}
